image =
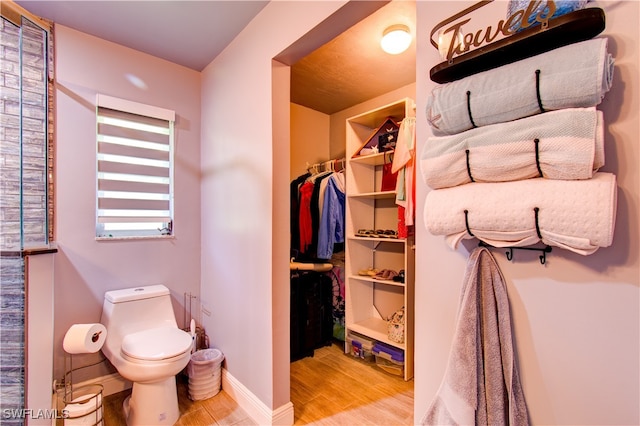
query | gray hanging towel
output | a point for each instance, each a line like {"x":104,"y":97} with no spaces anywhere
{"x":481,"y":385}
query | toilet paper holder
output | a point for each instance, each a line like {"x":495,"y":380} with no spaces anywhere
{"x":82,"y":404}
{"x":96,"y":336}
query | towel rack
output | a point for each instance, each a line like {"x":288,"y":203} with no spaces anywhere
{"x":576,"y":26}
{"x":543,"y":257}
{"x":509,"y":253}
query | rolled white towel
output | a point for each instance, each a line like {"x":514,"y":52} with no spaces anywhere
{"x":578,"y":215}
{"x":570,"y":146}
{"x":573,"y":76}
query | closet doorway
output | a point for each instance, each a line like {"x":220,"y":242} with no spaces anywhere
{"x":346,"y":76}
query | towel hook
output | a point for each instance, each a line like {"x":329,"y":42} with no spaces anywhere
{"x":536,"y":141}
{"x":466,"y":222}
{"x":542,"y":257}
{"x":536,"y":210}
{"x":538,"y":91}
{"x":469,"y":165}
{"x":509,"y":253}
{"x":469,"y":109}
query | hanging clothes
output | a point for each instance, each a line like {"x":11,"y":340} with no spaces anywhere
{"x":304,"y":218}
{"x":404,"y":165}
{"x":317,"y":214}
{"x":331,"y":230}
{"x":294,"y":192}
{"x":319,"y":189}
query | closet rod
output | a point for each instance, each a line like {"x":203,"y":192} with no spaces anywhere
{"x":317,"y":267}
{"x":335,"y":165}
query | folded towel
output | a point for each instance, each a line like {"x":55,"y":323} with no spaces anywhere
{"x":481,"y":385}
{"x":578,"y":215}
{"x":570,"y":146}
{"x":574,"y":76}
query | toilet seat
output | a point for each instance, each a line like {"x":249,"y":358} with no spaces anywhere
{"x":156,"y":344}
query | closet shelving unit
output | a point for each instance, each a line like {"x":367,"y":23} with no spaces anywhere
{"x":369,"y":301}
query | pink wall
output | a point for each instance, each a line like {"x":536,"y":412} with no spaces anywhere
{"x":86,"y":268}
{"x":245,"y":284}
{"x":309,"y":138}
{"x":576,"y":319}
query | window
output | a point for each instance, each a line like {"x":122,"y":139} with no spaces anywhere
{"x":26,"y":182}
{"x":134,"y":169}
{"x":26,"y":138}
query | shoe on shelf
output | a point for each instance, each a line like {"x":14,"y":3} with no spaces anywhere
{"x":385,"y":274}
{"x":366,"y":233}
{"x":368,"y":272}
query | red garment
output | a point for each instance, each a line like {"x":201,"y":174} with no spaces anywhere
{"x":305,"y":223}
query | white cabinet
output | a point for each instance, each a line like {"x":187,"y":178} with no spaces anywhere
{"x":370,"y":301}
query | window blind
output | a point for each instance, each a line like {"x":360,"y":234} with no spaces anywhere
{"x":134,"y":169}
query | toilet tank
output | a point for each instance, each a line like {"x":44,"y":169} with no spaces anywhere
{"x":140,"y":308}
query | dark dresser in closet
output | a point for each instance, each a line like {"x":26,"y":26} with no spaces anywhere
{"x":311,"y":312}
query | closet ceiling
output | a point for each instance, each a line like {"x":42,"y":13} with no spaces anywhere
{"x":352,"y":68}
{"x":344,"y":72}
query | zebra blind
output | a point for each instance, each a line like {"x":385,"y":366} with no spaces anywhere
{"x":134,"y":169}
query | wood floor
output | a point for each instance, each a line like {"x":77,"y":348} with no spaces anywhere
{"x":218,"y":410}
{"x":330,"y":388}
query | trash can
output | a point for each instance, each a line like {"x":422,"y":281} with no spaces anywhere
{"x":83,"y":405}
{"x":204,"y":371}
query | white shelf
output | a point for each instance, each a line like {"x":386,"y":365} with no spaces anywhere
{"x":378,"y":239}
{"x":369,"y":301}
{"x":396,"y":110}
{"x":376,"y":329}
{"x":376,"y":281}
{"x":374,"y":195}
{"x":373,"y":159}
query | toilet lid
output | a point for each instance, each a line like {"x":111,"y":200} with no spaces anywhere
{"x":156,"y":343}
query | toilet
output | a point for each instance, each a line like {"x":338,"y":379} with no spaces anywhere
{"x":147,"y":348}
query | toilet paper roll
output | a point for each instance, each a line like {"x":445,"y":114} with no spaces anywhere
{"x":84,"y":338}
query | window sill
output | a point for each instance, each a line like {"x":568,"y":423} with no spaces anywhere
{"x":31,"y":251}
{"x":135,"y":238}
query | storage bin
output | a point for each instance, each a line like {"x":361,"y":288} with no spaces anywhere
{"x":389,"y":358}
{"x":204,"y":371}
{"x":360,"y":346}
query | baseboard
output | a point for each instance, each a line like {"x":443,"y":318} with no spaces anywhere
{"x":111,"y":383}
{"x":255,"y":408}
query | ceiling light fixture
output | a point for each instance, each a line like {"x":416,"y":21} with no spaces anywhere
{"x":396,"y":39}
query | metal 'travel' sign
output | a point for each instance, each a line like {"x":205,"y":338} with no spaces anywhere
{"x":452,"y":41}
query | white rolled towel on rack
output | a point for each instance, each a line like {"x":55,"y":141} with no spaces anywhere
{"x":567,"y":144}
{"x":573,"y":76}
{"x":578,"y":215}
